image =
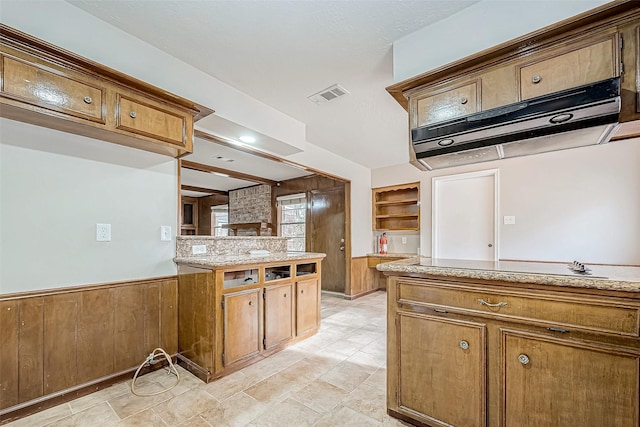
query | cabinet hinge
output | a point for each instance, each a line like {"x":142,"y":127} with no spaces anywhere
{"x":264,"y":295}
{"x":264,"y":342}
{"x":223,"y":358}
{"x":222,"y":304}
{"x":622,"y":68}
{"x":621,"y":42}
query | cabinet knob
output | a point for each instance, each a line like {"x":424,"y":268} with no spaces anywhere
{"x":464,"y":345}
{"x":88,"y":100}
{"x":536,"y":79}
{"x":302,"y":291}
{"x":524,"y":359}
{"x":285,"y":295}
{"x":132,"y":114}
{"x":464,"y":100}
{"x":250,"y":302}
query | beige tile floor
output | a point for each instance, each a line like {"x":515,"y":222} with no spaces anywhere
{"x":335,"y":378}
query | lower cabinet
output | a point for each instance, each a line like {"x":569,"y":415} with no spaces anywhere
{"x":478,"y":354}
{"x":236,"y":315}
{"x":278,"y":315}
{"x":308,"y":306}
{"x":436,"y":355}
{"x":241,"y":325}
{"x":551,"y":382}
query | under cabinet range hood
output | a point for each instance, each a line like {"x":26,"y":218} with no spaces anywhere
{"x":584,"y":115}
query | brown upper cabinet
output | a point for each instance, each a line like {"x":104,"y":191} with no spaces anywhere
{"x":590,"y":47}
{"x":48,"y":86}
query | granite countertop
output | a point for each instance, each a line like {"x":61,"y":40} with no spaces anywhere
{"x":216,"y":261}
{"x":604,"y":277}
{"x":397,"y":255}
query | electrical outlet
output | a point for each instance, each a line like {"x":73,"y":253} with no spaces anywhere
{"x":103,"y":232}
{"x":404,"y":240}
{"x":198,"y":249}
{"x":165,"y":233}
{"x":509,"y":220}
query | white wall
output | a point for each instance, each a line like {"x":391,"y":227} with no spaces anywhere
{"x":580,"y":204}
{"x":66,"y":26}
{"x":478,"y":27}
{"x":55,"y":187}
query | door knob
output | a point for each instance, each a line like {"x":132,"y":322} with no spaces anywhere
{"x":490,"y":245}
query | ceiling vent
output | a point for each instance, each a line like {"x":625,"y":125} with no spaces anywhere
{"x":328,"y":94}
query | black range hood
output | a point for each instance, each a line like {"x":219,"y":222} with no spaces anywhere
{"x":581,"y":107}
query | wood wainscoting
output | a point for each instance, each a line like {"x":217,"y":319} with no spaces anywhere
{"x":58,"y":342}
{"x":363,"y":279}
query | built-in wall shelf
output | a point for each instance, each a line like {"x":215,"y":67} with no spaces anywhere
{"x":396,"y":207}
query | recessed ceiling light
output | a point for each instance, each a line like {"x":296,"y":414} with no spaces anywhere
{"x":221,"y":174}
{"x":248,"y":139}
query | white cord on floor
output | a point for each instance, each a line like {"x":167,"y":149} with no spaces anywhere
{"x":150,"y":360}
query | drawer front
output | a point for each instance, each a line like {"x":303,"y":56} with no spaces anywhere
{"x":554,"y":310}
{"x":446,"y":105}
{"x":147,"y":120}
{"x":575,"y":68}
{"x":40,"y":87}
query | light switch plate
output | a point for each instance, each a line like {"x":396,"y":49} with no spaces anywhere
{"x":198,"y":249}
{"x":165,"y":233}
{"x":103,"y":232}
{"x":509,"y":220}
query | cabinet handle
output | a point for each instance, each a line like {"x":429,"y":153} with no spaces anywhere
{"x":132,"y":114}
{"x":464,"y":100}
{"x":524,"y":359}
{"x":464,"y":345}
{"x":536,"y":79}
{"x":88,"y":100}
{"x":483,"y":302}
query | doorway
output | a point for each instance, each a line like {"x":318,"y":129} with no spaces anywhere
{"x":465,"y":216}
{"x":327,"y":235}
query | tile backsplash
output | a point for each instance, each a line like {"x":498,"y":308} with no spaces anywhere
{"x":234,"y":245}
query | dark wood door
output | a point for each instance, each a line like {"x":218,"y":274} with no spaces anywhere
{"x":327,"y":231}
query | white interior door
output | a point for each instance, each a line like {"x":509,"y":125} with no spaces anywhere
{"x":464,"y":212}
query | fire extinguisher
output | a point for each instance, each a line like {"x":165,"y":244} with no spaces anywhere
{"x":383,"y":244}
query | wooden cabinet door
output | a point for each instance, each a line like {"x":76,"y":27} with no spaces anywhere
{"x":591,"y":63}
{"x":241,"y":325}
{"x":448,"y":104}
{"x":40,"y":86}
{"x":441,"y":370}
{"x":278,"y":314}
{"x":551,"y":382}
{"x":307,"y":306}
{"x":145,"y":119}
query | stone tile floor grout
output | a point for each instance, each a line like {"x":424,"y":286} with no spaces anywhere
{"x":334,"y":378}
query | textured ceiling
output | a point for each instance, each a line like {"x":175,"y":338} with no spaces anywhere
{"x":280,"y":52}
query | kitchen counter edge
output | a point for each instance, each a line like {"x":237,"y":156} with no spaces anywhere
{"x":218,"y":261}
{"x":408,"y":266}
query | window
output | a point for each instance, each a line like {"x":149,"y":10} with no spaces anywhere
{"x":219,"y":217}
{"x":292,"y":217}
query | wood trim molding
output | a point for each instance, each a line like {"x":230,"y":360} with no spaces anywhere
{"x":201,"y":167}
{"x":204,"y":190}
{"x":615,"y":12}
{"x":82,"y":288}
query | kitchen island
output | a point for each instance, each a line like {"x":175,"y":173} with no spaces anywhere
{"x":234,"y":309}
{"x":476,"y":343}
